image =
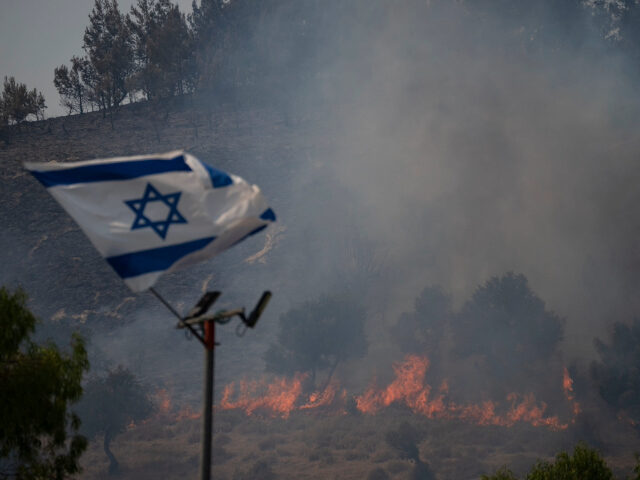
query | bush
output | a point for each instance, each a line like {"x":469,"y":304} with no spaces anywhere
{"x":110,"y":403}
{"x":421,"y":471}
{"x":512,"y":336}
{"x":616,"y":374}
{"x":423,"y":331}
{"x":319,"y":334}
{"x":405,"y":440}
{"x":502,"y":474}
{"x":585,"y":464}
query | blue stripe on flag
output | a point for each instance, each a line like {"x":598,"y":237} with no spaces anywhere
{"x":268,"y":214}
{"x":218,"y":177}
{"x":102,"y":172}
{"x":155,"y":259}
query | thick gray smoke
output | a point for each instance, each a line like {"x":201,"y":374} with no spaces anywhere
{"x":472,"y":143}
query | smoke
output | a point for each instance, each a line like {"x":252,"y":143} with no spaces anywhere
{"x":441,"y":144}
{"x":471,"y":141}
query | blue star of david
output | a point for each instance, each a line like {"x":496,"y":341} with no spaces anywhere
{"x":152,"y":195}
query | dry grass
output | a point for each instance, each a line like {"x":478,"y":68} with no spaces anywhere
{"x":311,"y":446}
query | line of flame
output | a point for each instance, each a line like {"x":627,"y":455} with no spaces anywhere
{"x":284,"y":395}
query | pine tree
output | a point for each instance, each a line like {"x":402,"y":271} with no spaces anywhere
{"x":109,"y":47}
{"x":163,"y":47}
{"x":17,"y":102}
{"x":68,"y":82}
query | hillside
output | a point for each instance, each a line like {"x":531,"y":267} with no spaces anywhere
{"x":70,"y":287}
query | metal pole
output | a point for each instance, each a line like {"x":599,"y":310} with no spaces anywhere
{"x":207,"y":414}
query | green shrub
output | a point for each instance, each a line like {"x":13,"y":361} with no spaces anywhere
{"x":502,"y":474}
{"x":585,"y":464}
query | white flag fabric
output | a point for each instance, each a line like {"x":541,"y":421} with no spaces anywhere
{"x":148,"y":215}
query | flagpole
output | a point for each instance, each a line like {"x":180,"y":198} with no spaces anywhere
{"x":207,"y":414}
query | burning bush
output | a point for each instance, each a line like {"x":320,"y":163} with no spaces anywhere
{"x":617,"y":374}
{"x":423,"y":330}
{"x":318,"y":335}
{"x":510,"y":337}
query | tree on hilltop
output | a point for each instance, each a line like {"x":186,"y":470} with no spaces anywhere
{"x":109,"y":48}
{"x":17,"y":102}
{"x":70,"y":85}
{"x":163,"y":49}
{"x":38,"y":384}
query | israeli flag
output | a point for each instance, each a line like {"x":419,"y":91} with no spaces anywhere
{"x":148,"y":215}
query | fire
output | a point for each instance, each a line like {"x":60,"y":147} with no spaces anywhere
{"x":279,"y":397}
{"x":567,"y":386}
{"x":283,"y":395}
{"x":187,"y":414}
{"x":323,"y":398}
{"x":164,"y":401}
{"x":165,"y":410}
{"x":409,"y":388}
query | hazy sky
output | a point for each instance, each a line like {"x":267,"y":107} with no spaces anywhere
{"x":38,"y":35}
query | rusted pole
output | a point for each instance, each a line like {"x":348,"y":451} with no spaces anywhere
{"x":207,"y":414}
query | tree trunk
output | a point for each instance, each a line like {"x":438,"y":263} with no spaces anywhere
{"x":114,"y":466}
{"x":331,"y":372}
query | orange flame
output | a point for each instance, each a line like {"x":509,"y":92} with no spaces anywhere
{"x":410,"y":388}
{"x":567,"y":385}
{"x":407,"y":386}
{"x":187,"y":414}
{"x":279,"y":397}
{"x":322,"y":398}
{"x":164,"y":401}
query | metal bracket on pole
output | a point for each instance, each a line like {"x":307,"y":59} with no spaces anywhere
{"x":225,"y":316}
{"x":177,"y":315}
